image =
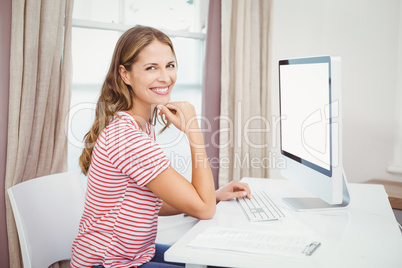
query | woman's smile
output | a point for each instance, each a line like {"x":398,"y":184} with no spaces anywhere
{"x":160,"y":90}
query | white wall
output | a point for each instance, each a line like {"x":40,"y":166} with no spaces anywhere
{"x":365,"y":34}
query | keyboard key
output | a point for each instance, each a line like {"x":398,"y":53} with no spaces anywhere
{"x":260,"y":207}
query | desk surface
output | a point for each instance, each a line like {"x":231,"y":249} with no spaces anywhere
{"x":365,"y":234}
{"x":393,"y":189}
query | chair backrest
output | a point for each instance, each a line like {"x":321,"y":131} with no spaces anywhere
{"x":47,"y":212}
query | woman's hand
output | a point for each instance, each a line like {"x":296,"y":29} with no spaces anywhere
{"x":181,"y":114}
{"x":232,"y":190}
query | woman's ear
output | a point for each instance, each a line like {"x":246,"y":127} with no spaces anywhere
{"x":124,"y":74}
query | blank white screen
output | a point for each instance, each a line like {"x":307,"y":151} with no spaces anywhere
{"x":305,"y":112}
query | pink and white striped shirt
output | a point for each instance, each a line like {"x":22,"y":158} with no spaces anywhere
{"x":119,"y":223}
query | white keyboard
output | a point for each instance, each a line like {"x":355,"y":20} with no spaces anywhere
{"x":260,"y":207}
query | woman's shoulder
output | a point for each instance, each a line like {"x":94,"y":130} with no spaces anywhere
{"x":123,"y":118}
{"x":123,"y":121}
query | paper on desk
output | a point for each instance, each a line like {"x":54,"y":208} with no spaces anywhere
{"x":289,"y":244}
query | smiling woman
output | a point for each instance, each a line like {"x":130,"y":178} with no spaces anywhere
{"x":128,"y":174}
{"x":130,"y":179}
{"x":97,"y":25}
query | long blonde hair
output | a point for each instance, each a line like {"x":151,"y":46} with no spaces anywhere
{"x":115,"y":94}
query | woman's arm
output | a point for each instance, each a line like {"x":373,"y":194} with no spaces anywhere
{"x":168,"y":210}
{"x":197,"y":198}
{"x":229,"y":191}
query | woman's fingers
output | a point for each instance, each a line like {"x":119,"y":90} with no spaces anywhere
{"x":180,"y":114}
{"x":174,"y":114}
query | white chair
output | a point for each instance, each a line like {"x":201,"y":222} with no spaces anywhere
{"x":47,"y":211}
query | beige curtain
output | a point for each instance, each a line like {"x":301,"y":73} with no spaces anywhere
{"x":40,"y":78}
{"x":245,"y":112}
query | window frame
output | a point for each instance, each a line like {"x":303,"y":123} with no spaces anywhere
{"x":120,"y":27}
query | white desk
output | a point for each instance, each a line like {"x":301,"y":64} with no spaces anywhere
{"x":365,"y":234}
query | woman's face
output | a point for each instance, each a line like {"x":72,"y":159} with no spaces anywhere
{"x":153,"y":76}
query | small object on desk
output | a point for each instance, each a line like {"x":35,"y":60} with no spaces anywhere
{"x":309,"y":250}
{"x":260,"y":207}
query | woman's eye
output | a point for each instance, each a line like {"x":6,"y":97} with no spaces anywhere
{"x":171,"y":65}
{"x":150,"y":68}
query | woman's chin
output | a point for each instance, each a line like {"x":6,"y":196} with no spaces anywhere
{"x":163,"y":102}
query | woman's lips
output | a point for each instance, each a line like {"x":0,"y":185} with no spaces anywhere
{"x":160,"y":90}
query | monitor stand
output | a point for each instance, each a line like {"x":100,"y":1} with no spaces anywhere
{"x":312,"y":203}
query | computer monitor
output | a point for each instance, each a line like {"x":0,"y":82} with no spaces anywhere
{"x":311,"y":130}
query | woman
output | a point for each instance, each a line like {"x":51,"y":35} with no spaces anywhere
{"x":130,"y":180}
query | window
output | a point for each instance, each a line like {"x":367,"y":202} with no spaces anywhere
{"x":97,"y":25}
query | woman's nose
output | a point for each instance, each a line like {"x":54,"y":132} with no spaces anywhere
{"x":164,"y":75}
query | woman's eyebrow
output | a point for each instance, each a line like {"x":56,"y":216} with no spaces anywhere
{"x":151,"y":63}
{"x":156,"y":64}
